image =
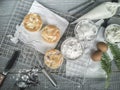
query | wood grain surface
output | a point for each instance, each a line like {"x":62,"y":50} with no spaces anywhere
{"x":6,"y":10}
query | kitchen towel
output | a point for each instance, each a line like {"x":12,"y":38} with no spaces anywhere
{"x":34,"y":39}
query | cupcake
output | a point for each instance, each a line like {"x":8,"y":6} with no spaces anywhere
{"x":51,"y":33}
{"x":32,"y":22}
{"x":53,"y":59}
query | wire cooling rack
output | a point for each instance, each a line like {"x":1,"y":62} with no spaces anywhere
{"x":28,"y":54}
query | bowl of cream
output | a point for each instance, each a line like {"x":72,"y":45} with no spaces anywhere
{"x":112,"y":33}
{"x":71,"y":48}
{"x":86,"y":30}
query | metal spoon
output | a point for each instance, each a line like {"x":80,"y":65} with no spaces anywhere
{"x":48,"y":75}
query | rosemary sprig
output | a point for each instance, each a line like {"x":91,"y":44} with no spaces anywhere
{"x":106,"y":65}
{"x":115,"y":50}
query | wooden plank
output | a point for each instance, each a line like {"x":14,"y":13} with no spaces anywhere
{"x":6,"y":9}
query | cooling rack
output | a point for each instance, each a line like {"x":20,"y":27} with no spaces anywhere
{"x":28,"y":54}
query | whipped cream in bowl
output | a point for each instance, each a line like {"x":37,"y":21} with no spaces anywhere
{"x":71,"y":48}
{"x":86,"y":30}
{"x":112,"y":33}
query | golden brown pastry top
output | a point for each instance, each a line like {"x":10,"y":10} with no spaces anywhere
{"x":51,"y":33}
{"x":53,"y":58}
{"x":32,"y":22}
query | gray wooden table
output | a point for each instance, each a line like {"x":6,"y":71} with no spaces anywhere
{"x":6,"y":9}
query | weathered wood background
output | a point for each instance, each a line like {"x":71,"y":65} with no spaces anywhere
{"x":6,"y":9}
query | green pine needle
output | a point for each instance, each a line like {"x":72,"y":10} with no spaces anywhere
{"x":106,"y":65}
{"x":115,"y":50}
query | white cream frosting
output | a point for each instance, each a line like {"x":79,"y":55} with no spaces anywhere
{"x":112,"y":33}
{"x":71,"y":48}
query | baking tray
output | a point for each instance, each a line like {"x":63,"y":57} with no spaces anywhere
{"x":28,"y":54}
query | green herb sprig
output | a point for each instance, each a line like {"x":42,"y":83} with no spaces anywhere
{"x":106,"y":65}
{"x":106,"y":62}
{"x":115,"y":50}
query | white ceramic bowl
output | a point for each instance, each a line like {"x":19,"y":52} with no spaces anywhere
{"x":86,"y":30}
{"x":71,"y":48}
{"x":110,"y":35}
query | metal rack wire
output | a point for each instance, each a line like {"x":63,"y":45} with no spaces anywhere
{"x":28,"y":56}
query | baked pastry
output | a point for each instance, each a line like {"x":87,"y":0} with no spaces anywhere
{"x":51,"y":33}
{"x":53,"y":58}
{"x":32,"y":22}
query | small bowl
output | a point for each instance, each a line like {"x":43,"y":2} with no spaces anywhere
{"x":68,"y":51}
{"x":84,"y":28}
{"x":107,"y":33}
